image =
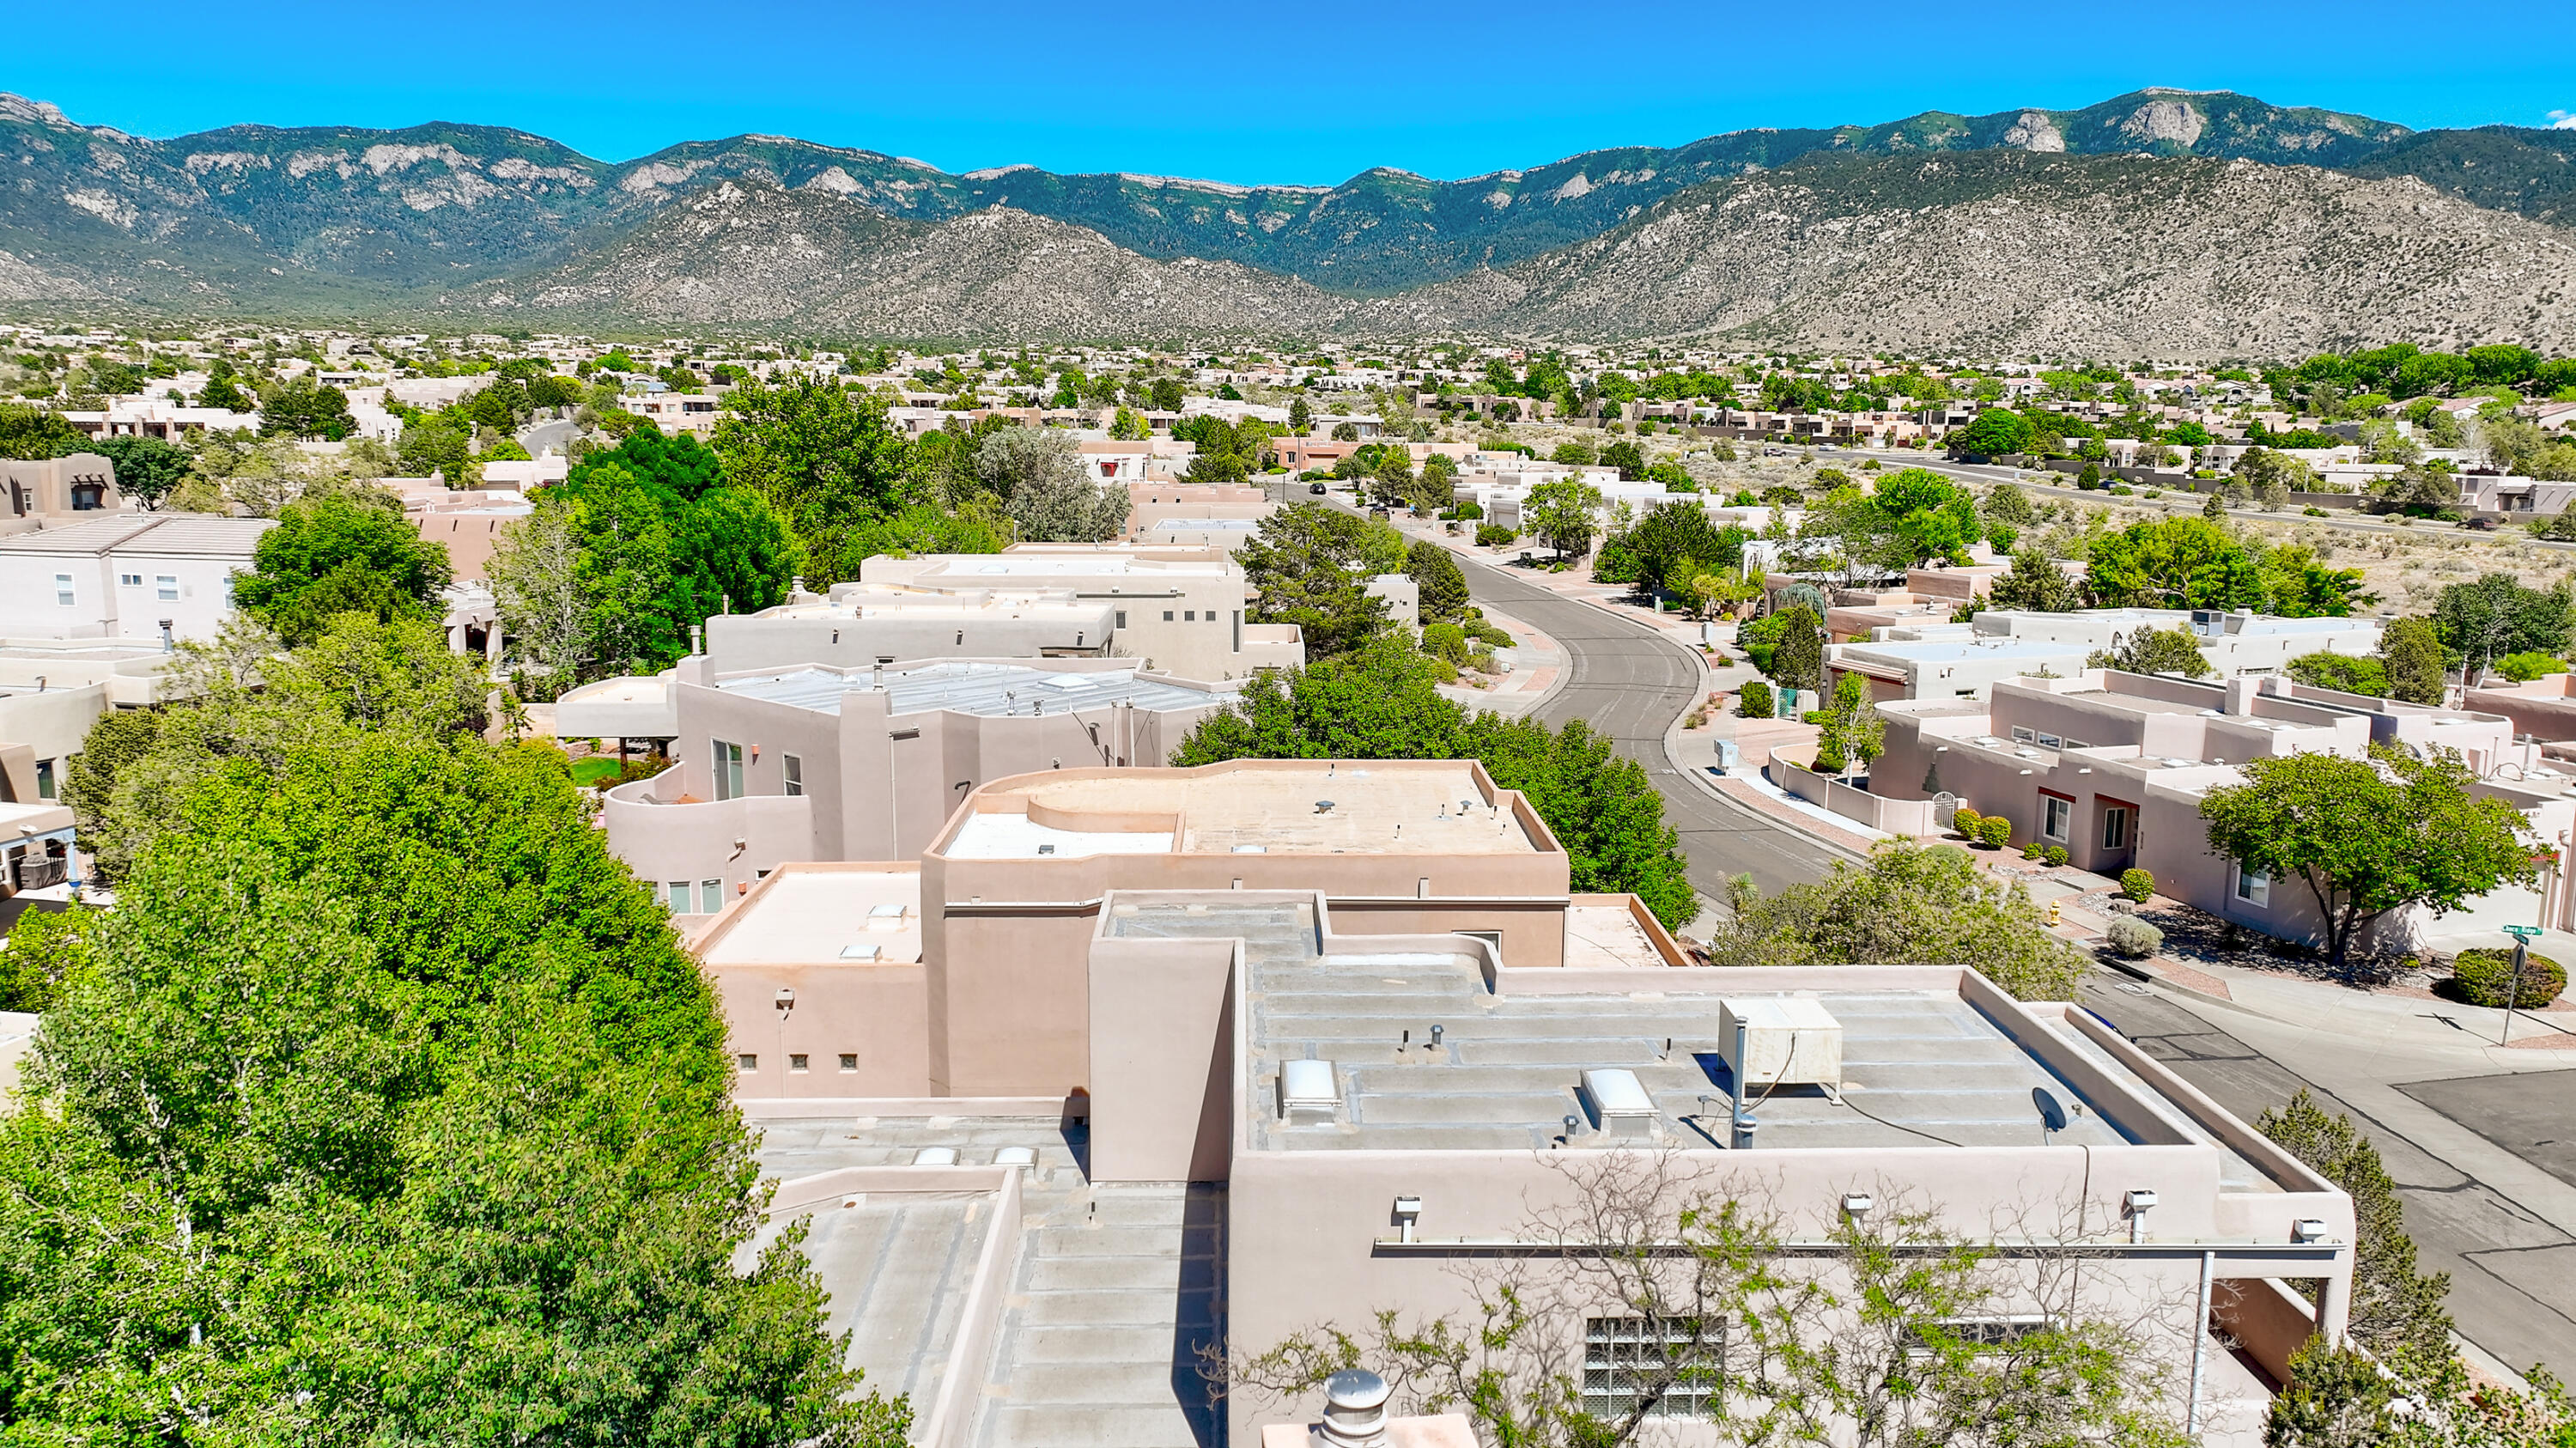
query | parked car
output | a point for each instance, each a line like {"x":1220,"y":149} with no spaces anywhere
{"x":1317,"y":489}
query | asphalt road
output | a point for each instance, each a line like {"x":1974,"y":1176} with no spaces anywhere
{"x":1631,"y":683}
{"x":2513,"y":1270}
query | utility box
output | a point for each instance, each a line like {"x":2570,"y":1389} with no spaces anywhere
{"x":1788,"y":1041}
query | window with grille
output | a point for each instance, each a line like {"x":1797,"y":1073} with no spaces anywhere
{"x":1986,"y":1332}
{"x":1625,"y":1359}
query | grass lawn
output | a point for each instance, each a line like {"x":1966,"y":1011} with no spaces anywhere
{"x":595,"y":770}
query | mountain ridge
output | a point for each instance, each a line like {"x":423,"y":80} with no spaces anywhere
{"x":441,"y":218}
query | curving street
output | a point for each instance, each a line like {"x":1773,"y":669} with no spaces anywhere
{"x":1631,"y":683}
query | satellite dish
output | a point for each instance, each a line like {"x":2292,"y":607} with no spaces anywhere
{"x":2052,"y":1116}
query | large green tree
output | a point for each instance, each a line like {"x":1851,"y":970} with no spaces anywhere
{"x":1381,"y":702}
{"x":1995,"y":432}
{"x":146,"y":467}
{"x":2036,"y":583}
{"x":2396,"y":1311}
{"x":1310,"y":565}
{"x":821,"y":455}
{"x":36,"y":432}
{"x":385,"y":1108}
{"x":2364,"y":837}
{"x":1564,"y":514}
{"x":346,"y":550}
{"x":1909,"y":904}
{"x":1437,"y":579}
{"x":2411,"y":650}
{"x":2495,"y":615}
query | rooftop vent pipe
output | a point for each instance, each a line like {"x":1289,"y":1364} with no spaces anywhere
{"x":1354,"y":1410}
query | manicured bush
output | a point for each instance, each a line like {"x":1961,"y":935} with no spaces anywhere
{"x":2137,"y":884}
{"x":1965,"y":822}
{"x":1995,"y":831}
{"x":2032,"y":851}
{"x":2484,"y":977}
{"x":2130,"y":936}
{"x":1754,"y":701}
{"x":1493,"y":535}
{"x":2524,"y":667}
{"x":2056,"y":854}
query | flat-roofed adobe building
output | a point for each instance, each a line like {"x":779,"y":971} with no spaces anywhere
{"x":822,"y":763}
{"x":1182,"y":611}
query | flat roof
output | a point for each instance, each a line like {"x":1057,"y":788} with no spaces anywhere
{"x":172,"y":534}
{"x":1935,"y":650}
{"x":1920,"y":1067}
{"x":972,"y":567}
{"x":988,"y":690}
{"x":1272,"y":807}
{"x":881,"y":600}
{"x":805,"y":914}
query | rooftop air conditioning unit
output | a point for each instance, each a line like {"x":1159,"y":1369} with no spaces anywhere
{"x":1788,"y":1041}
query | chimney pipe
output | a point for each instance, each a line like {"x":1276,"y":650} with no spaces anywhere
{"x":1354,"y":1410}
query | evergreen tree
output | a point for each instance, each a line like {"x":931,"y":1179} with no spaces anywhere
{"x":2411,"y":650}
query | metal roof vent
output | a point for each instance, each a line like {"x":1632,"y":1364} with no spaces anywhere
{"x":1323,"y":806}
{"x":1046,"y":849}
{"x":1619,"y":1102}
{"x":1308,"y":1093}
{"x":1354,"y":1410}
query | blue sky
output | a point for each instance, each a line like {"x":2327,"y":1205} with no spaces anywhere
{"x":1306,"y":93}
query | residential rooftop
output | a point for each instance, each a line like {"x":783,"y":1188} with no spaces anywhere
{"x":986,"y":689}
{"x":1309,"y":807}
{"x":173,"y":534}
{"x":823,"y":912}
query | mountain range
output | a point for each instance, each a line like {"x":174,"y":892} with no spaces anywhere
{"x":2156,"y":223}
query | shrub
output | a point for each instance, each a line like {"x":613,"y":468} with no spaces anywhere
{"x":2032,"y":851}
{"x":1484,"y":662}
{"x":1468,"y":511}
{"x":1445,"y":641}
{"x":2484,"y":977}
{"x":2055,"y":854}
{"x":1493,"y":535}
{"x":1485,"y":633}
{"x":1995,"y":831}
{"x":2132,"y":937}
{"x":1965,"y":822}
{"x":2522,"y":668}
{"x":2315,"y":512}
{"x":1755,"y":701}
{"x":2137,"y":884}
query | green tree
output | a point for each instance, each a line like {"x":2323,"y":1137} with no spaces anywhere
{"x":1852,"y":732}
{"x":1301,"y":417}
{"x":2154,"y":651}
{"x":1166,"y":394}
{"x":823,"y":456}
{"x":2176,"y":563}
{"x":1995,"y":432}
{"x":1436,"y":576}
{"x":1627,"y":457}
{"x":223,"y":388}
{"x":304,"y":409}
{"x":1910,"y":903}
{"x":1798,"y":661}
{"x":1913,"y":515}
{"x":1310,"y":565}
{"x":146,"y":467}
{"x":1564,"y":514}
{"x":1037,"y":472}
{"x":2396,"y":1312}
{"x":2350,"y":673}
{"x":2484,"y":620}
{"x":382,"y":1108}
{"x":434,"y":444}
{"x":2368,"y":836}
{"x":348,"y":550}
{"x":1380,"y":702}
{"x":2411,"y":650}
{"x":1127,"y":427}
{"x":1675,"y":541}
{"x":2037,"y":584}
{"x":1391,"y":476}
{"x":732,"y":553}
{"x":37,"y":432}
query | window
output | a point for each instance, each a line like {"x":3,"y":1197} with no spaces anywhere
{"x":849,"y":1060}
{"x":165,"y":586}
{"x":2051,"y":741}
{"x":1624,"y":1357}
{"x":1983,"y":1332}
{"x":684,"y":898}
{"x":2055,"y":814}
{"x":724,"y":769}
{"x":45,"y":779}
{"x":2115,"y":828}
{"x":63,"y":594}
{"x":746,"y":1063}
{"x":1122,"y":618}
{"x":795,"y":766}
{"x":710,"y":896}
{"x":2253,"y":887}
{"x":796,"y":1063}
{"x":1167,"y":615}
{"x":1189,"y":615}
{"x":130,"y":580}
{"x":2022,"y":735}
